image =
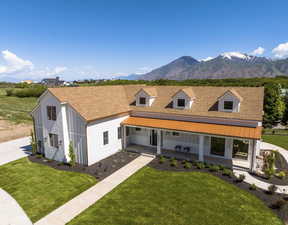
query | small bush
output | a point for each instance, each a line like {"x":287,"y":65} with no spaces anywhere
{"x":184,"y":162}
{"x":253,"y":187}
{"x":272,"y":189}
{"x":162,"y":159}
{"x":206,"y":165}
{"x":214,"y":168}
{"x":240,"y":178}
{"x":278,"y":204}
{"x":269,"y":173}
{"x":174,"y":163}
{"x":187,"y":165}
{"x":39,"y":156}
{"x":200,"y":165}
{"x":172,"y":159}
{"x":9,"y":92}
{"x":227,"y":172}
{"x":281,"y":174}
{"x":221,"y":167}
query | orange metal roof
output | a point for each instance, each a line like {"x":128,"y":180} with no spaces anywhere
{"x":205,"y":128}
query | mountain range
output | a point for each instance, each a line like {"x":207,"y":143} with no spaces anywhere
{"x":226,"y":65}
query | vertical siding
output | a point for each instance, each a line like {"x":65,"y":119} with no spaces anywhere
{"x":77,"y":134}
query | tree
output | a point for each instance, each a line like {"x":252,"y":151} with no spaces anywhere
{"x":285,"y":116}
{"x":33,"y":143}
{"x":273,"y":104}
{"x":72,"y":156}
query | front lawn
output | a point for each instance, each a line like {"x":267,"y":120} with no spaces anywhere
{"x":281,"y":141}
{"x":183,"y":198}
{"x":40,"y":189}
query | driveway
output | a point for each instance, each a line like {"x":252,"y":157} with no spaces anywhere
{"x":15,"y":149}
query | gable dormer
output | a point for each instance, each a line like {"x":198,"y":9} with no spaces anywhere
{"x":230,"y":101}
{"x":183,"y":99}
{"x":145,"y":96}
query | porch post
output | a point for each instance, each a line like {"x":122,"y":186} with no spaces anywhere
{"x":124,"y":138}
{"x":255,"y":152}
{"x":158,"y":142}
{"x":201,"y":148}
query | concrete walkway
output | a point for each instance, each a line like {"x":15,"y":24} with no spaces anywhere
{"x":15,"y":149}
{"x":261,"y":184}
{"x":10,"y":212}
{"x":74,"y":207}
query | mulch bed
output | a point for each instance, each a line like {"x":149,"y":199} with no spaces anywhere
{"x":268,"y":199}
{"x":99,"y":170}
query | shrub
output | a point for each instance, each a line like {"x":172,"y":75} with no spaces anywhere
{"x":227,"y":172}
{"x":162,"y":159}
{"x":221,"y":167}
{"x":281,"y":174}
{"x":72,"y":156}
{"x":200,"y":165}
{"x":272,"y":189}
{"x":33,"y":143}
{"x":174,"y":163}
{"x":9,"y":92}
{"x":33,"y":91}
{"x":184,"y":162}
{"x":240,"y":178}
{"x":206,"y":165}
{"x":278,"y":204}
{"x":214,"y":168}
{"x":253,"y":187}
{"x":269,"y":172}
{"x":187,"y":165}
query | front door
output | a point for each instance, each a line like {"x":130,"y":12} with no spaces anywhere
{"x":153,"y":137}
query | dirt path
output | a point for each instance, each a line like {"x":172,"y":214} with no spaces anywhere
{"x":10,"y":131}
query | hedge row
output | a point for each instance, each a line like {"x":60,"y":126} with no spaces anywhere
{"x":26,"y":92}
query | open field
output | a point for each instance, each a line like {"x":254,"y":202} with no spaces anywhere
{"x":168,"y":198}
{"x":279,"y":140}
{"x":40,"y":189}
{"x":16,"y":109}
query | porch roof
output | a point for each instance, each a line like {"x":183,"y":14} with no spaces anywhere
{"x":204,"y":128}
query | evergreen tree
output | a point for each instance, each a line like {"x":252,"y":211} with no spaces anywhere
{"x":285,"y":116}
{"x":72,"y":156}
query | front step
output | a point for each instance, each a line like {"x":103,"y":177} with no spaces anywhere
{"x":240,"y":168}
{"x":148,"y":155}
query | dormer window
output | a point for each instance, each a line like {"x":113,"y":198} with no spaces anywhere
{"x":181,"y":102}
{"x":142,"y":101}
{"x":228,"y":105}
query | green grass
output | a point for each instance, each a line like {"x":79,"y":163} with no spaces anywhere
{"x":281,"y":141}
{"x":40,"y":189}
{"x":152,"y":197}
{"x":16,"y":109}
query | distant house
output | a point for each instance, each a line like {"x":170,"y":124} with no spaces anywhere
{"x":219,"y":125}
{"x":52,"y":82}
{"x":27,"y":81}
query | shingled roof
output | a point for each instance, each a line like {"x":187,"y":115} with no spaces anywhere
{"x":102,"y":101}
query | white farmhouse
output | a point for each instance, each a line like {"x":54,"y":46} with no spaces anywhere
{"x":212,"y":124}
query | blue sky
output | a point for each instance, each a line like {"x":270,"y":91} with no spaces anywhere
{"x":92,"y":39}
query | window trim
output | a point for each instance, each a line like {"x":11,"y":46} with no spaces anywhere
{"x":53,"y":140}
{"x":51,"y":112}
{"x":105,"y":137}
{"x":181,"y":99}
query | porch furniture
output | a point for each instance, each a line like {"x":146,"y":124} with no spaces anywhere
{"x":187,"y":149}
{"x":178,"y":148}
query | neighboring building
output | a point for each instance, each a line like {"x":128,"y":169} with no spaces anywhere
{"x":27,"y":81}
{"x":52,"y":82}
{"x":213,"y":124}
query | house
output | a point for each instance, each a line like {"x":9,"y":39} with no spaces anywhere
{"x":52,"y":82}
{"x":212,"y":124}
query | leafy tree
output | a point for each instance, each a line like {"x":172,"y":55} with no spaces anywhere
{"x":72,"y":156}
{"x":33,"y":143}
{"x":285,"y":116}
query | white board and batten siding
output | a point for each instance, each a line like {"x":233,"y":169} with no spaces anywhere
{"x":95,"y":145}
{"x":37,"y":116}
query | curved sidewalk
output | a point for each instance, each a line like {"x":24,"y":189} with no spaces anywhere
{"x":261,"y":184}
{"x":10,"y":211}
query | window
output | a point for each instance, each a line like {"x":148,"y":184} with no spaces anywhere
{"x":175,"y":134}
{"x":228,"y":105}
{"x":51,"y":112}
{"x":142,"y":101}
{"x":53,"y":140}
{"x":138,"y":129}
{"x":240,"y":149}
{"x":217,"y":146}
{"x":181,"y":102}
{"x":119,"y":133}
{"x":105,"y":138}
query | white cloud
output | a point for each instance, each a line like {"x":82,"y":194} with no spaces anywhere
{"x":13,"y":63}
{"x":258,"y":51}
{"x":281,"y":50}
{"x":207,"y":59}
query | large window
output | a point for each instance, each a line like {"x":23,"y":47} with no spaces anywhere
{"x":119,"y":133}
{"x":228,"y":105}
{"x":142,"y":101}
{"x":240,"y":149}
{"x":181,"y":102}
{"x":51,"y":112}
{"x":217,"y":146}
{"x":105,"y":138}
{"x":53,"y":140}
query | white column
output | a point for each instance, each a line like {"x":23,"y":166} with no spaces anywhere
{"x":65,"y":141}
{"x":158,"y":142}
{"x":255,"y":151}
{"x":201,"y":148}
{"x":228,"y":148}
{"x":124,"y":137}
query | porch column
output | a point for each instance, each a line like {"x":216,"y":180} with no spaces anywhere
{"x":228,"y":148}
{"x":158,"y":142}
{"x":255,"y":151}
{"x":65,"y":141}
{"x":124,"y":138}
{"x":201,"y":148}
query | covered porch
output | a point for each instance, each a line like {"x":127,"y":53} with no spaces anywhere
{"x":188,"y":145}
